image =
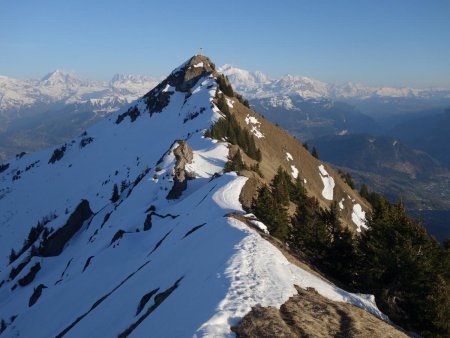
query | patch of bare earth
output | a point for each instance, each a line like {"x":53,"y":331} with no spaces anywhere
{"x":309,"y":314}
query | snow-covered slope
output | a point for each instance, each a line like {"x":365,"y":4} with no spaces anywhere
{"x":61,"y":88}
{"x":258,"y":85}
{"x":139,"y":262}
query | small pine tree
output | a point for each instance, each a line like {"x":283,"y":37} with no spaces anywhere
{"x":271,"y":213}
{"x":225,"y":85}
{"x":281,"y":187}
{"x":364,"y":191}
{"x":315,"y":153}
{"x":115,"y":194}
{"x":305,"y":145}
{"x":235,"y":163}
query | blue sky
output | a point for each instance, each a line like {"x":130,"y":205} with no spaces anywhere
{"x":378,"y":42}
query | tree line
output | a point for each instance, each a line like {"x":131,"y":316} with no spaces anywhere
{"x":407,"y":270}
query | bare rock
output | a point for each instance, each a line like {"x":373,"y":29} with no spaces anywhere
{"x":184,"y":155}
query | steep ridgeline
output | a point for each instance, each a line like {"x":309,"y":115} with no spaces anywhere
{"x":134,"y":229}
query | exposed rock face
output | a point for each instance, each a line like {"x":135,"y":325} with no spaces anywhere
{"x":309,"y":314}
{"x":187,"y":76}
{"x":29,"y":277}
{"x":182,"y":79}
{"x":55,"y":243}
{"x":36,"y":294}
{"x":184,"y":155}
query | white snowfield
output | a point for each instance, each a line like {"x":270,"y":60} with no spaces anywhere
{"x":359,"y":217}
{"x":328,"y":183}
{"x":208,"y":268}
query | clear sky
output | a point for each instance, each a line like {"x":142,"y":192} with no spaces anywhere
{"x":376,"y":42}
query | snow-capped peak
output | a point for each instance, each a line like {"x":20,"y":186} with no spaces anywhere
{"x":243,"y":78}
{"x":59,"y":77}
{"x":259,"y":85}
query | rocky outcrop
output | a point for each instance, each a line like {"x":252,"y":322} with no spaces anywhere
{"x":185,"y":77}
{"x":36,"y":294}
{"x":309,"y":314}
{"x":184,"y":155}
{"x":182,"y":79}
{"x":55,"y":243}
{"x":29,"y":277}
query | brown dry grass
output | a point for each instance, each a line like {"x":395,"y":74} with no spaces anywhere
{"x":309,"y":314}
{"x":274,"y":146}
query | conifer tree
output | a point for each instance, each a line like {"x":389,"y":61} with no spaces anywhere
{"x":235,"y":163}
{"x":281,"y":187}
{"x":306,"y":145}
{"x":364,"y":191}
{"x":271,"y":213}
{"x":400,"y":264}
{"x":314,"y":152}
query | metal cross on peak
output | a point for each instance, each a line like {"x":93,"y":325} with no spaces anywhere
{"x":200,"y":51}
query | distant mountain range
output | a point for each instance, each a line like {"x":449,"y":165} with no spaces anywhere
{"x":35,"y":114}
{"x":20,"y":98}
{"x":257,"y":85}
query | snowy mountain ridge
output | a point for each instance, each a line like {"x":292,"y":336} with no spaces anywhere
{"x":258,"y":85}
{"x":63,"y":88}
{"x":141,"y":233}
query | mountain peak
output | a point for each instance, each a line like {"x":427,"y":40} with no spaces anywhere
{"x":58,"y":77}
{"x":186,"y":75}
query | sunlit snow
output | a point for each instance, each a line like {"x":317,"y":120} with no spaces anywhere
{"x":255,"y":126}
{"x":328,"y":183}
{"x":359,"y":217}
{"x":294,"y":172}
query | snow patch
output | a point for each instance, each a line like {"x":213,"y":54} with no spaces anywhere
{"x":198,"y":65}
{"x":255,"y":124}
{"x":230,"y":102}
{"x":227,"y":197}
{"x":328,"y":183}
{"x":260,"y":225}
{"x":208,"y":159}
{"x":294,"y":171}
{"x":168,"y":88}
{"x":359,"y":217}
{"x":289,"y":157}
{"x":341,"y":204}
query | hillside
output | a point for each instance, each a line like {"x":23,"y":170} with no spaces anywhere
{"x":134,"y":229}
{"x":311,"y":118}
{"x":428,"y":133}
